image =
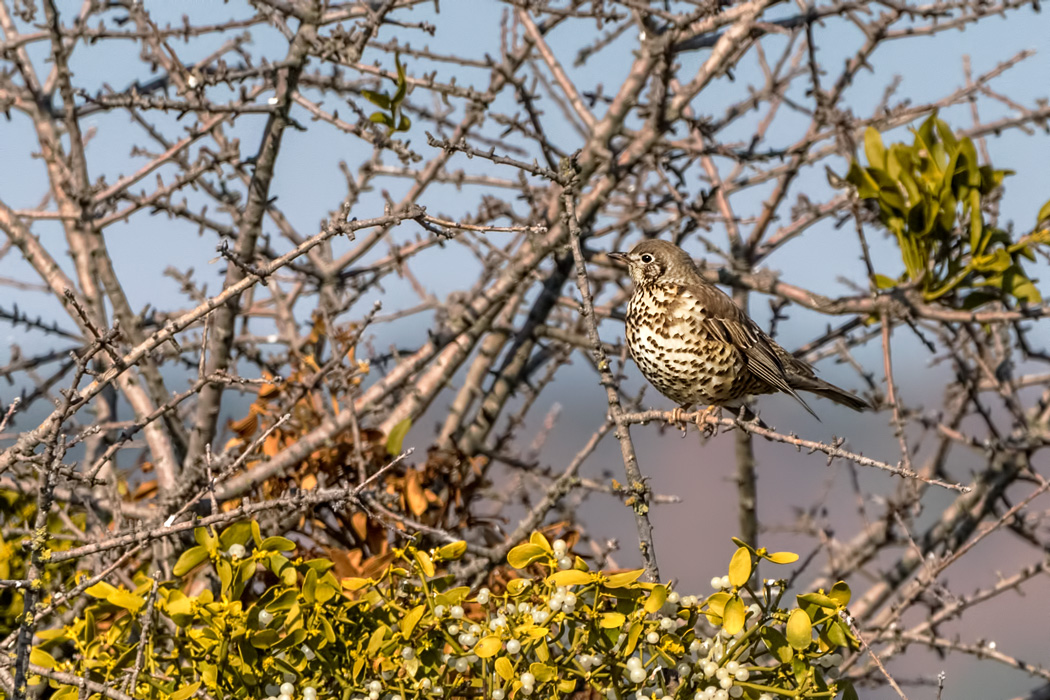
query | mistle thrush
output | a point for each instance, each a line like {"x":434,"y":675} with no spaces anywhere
{"x":697,"y":347}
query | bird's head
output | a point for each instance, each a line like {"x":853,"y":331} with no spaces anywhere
{"x":654,"y":261}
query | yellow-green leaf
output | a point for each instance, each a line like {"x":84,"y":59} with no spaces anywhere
{"x":840,"y":593}
{"x":716,"y":604}
{"x":540,"y":540}
{"x":782,"y":557}
{"x":860,"y":178}
{"x":277,"y":544}
{"x":237,"y":533}
{"x":818,"y":599}
{"x":740,"y":567}
{"x":836,"y":635}
{"x":543,"y":672}
{"x":799,"y":629}
{"x":310,"y":587}
{"x":733,"y":615}
{"x":41,"y":658}
{"x":179,"y":607}
{"x":776,"y":643}
{"x":189,"y":560}
{"x":612,"y":619}
{"x":873,"y":148}
{"x":376,"y":641}
{"x":186,"y":691}
{"x":517,"y":586}
{"x":657,"y":598}
{"x":524,"y":554}
{"x":425,"y":564}
{"x":452,"y":596}
{"x":411,"y":619}
{"x":352,"y":583}
{"x":399,"y":431}
{"x":451,"y":551}
{"x":976,"y":223}
{"x":488,"y":646}
{"x":884,"y":282}
{"x":128,"y":601}
{"x":264,"y":639}
{"x":569,"y":577}
{"x":504,"y":668}
{"x":101,"y":590}
{"x":1044,"y":213}
{"x":402,"y":81}
{"x":326,"y":628}
{"x":624,"y":578}
{"x":204,"y":537}
{"x":379,"y":99}
{"x":632,"y":638}
{"x":225,"y":571}
{"x":60,"y":634}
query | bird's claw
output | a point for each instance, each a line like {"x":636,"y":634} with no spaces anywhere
{"x":677,"y":419}
{"x":708,"y":427}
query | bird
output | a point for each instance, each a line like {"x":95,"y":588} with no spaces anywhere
{"x":696,"y":346}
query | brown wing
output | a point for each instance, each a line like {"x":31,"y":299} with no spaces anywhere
{"x":731,"y":325}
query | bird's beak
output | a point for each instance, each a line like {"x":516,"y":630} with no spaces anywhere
{"x":619,"y":257}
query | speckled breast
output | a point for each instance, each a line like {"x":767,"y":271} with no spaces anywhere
{"x":667,"y":338}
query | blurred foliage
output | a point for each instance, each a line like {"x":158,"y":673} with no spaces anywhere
{"x":18,"y":515}
{"x":933,"y":196}
{"x":245,"y":617}
{"x":392,"y":116}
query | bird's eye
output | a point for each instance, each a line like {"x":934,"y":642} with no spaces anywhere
{"x":647,"y":258}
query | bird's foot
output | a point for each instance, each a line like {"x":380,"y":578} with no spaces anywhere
{"x":702,"y":422}
{"x":677,"y":419}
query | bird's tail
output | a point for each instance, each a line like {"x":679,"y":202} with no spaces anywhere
{"x":829,"y":391}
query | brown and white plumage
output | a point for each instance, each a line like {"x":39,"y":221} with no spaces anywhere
{"x":697,"y":347}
